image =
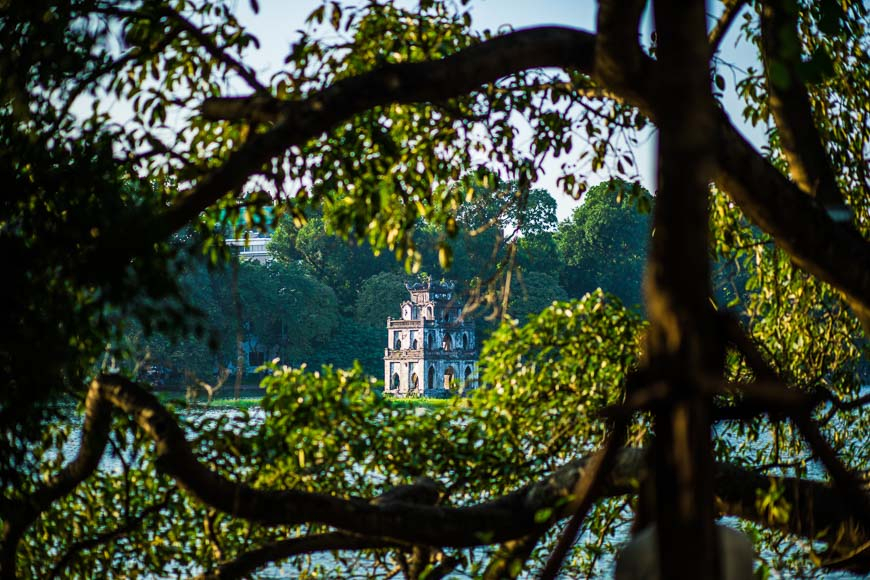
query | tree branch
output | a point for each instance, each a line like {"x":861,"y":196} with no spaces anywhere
{"x":683,"y":339}
{"x":732,"y":9}
{"x":398,"y":521}
{"x":619,"y":60}
{"x":95,"y":437}
{"x":772,"y":394}
{"x":585,"y":493}
{"x":834,"y":252}
{"x":808,"y":161}
{"x":505,"y":518}
{"x":301,"y":120}
{"x":848,"y":484}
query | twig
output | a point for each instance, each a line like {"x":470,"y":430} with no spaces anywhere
{"x":108,"y":536}
{"x":248,"y":562}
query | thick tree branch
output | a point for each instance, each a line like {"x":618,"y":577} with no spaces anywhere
{"x":848,"y":484}
{"x":771,"y":393}
{"x":506,"y":518}
{"x":619,"y":60}
{"x":95,"y":437}
{"x":455,"y":75}
{"x":835,"y":252}
{"x":393,"y":519}
{"x":684,"y":342}
{"x":299,"y":121}
{"x":808,"y":161}
{"x":502,"y":519}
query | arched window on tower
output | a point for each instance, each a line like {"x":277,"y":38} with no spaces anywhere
{"x":397,"y":341}
{"x":396,"y":381}
{"x":414,"y":344}
{"x":468,"y":377}
{"x":464,"y":341}
{"x":448,"y":343}
{"x":431,"y":381}
{"x":430,"y":341}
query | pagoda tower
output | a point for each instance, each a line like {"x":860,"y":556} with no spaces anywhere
{"x":431,"y":350}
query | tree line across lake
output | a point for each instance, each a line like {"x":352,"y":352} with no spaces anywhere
{"x":322,"y":299}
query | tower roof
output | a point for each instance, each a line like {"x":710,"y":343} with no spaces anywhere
{"x":428,"y":285}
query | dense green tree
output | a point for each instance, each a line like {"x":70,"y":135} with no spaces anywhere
{"x":350,"y":344}
{"x":604,"y":243}
{"x":278,"y":309}
{"x":540,"y":253}
{"x":340,"y":264}
{"x":286,"y":306}
{"x":507,"y":206}
{"x":380,"y":297}
{"x":282,"y":244}
{"x":379,"y":112}
{"x":532,"y":293}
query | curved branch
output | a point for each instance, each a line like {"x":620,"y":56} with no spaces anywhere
{"x":298,"y":121}
{"x":808,"y":161}
{"x":499,"y":520}
{"x":452,"y":76}
{"x":770,"y":393}
{"x":834,"y":252}
{"x":848,"y":484}
{"x":732,"y":9}
{"x":95,"y":437}
{"x":394,"y":518}
{"x":619,"y":59}
{"x":502,"y":519}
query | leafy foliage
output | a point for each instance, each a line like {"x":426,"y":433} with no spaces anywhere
{"x":103,"y":263}
{"x":605,"y":241}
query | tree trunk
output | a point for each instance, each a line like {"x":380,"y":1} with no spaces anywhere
{"x":683,"y":344}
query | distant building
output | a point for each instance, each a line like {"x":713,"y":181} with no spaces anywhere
{"x":431,"y":350}
{"x":252,"y":248}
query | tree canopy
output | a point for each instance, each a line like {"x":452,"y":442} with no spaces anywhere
{"x":592,"y":423}
{"x":605,"y":241}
